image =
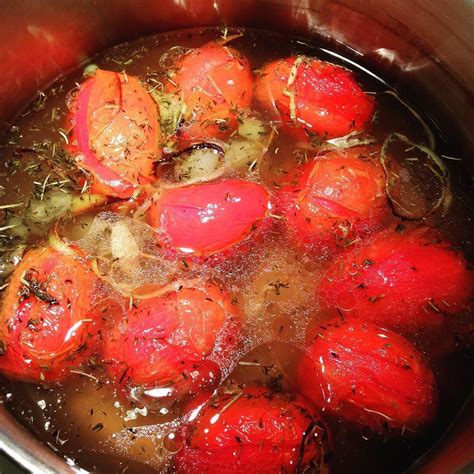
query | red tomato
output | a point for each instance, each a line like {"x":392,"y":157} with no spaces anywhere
{"x":339,"y":198}
{"x":252,"y":430}
{"x":369,"y":376}
{"x":116,"y":133}
{"x":48,"y":325}
{"x":405,"y":281}
{"x":214,"y":82}
{"x":203,"y":219}
{"x":164,"y":344}
{"x":313,"y":97}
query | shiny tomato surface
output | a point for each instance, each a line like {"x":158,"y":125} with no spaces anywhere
{"x":48,"y":326}
{"x":214,"y":81}
{"x":163,"y":344}
{"x":312,"y":98}
{"x":115,"y":133}
{"x":407,"y":279}
{"x":369,"y":376}
{"x":339,"y":198}
{"x":252,"y":429}
{"x":203,"y":219}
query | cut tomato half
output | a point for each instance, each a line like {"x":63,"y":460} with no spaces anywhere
{"x":116,"y":134}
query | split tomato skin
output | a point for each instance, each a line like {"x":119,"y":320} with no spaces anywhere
{"x":48,"y":325}
{"x":408,"y":280}
{"x":116,"y":134}
{"x":369,"y":376}
{"x":339,"y":198}
{"x":206,"y":219}
{"x":313,"y":98}
{"x":251,"y":430}
{"x":214,"y":81}
{"x":165,"y":344}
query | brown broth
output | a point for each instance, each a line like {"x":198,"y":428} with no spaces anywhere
{"x":85,"y":419}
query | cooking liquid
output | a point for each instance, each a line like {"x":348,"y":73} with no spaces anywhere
{"x":85,"y":419}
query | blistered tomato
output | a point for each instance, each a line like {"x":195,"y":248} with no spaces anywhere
{"x":340,"y":197}
{"x":214,"y":81}
{"x":251,"y":430}
{"x":47,"y":323}
{"x":204,"y":219}
{"x":116,"y":134}
{"x":163,"y":345}
{"x":408,"y":280}
{"x":314,"y":99}
{"x":369,"y":376}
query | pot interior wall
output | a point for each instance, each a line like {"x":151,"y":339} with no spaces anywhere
{"x":424,"y":47}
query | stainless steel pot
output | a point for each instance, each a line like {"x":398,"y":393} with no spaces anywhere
{"x":424,"y":46}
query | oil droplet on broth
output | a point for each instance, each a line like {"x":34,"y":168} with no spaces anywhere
{"x":173,"y":442}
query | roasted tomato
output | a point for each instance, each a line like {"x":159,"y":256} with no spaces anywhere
{"x":339,"y":198}
{"x":252,"y":430}
{"x":313,"y":98}
{"x":407,"y":280}
{"x":369,"y":376}
{"x":47,"y":323}
{"x":163,"y":347}
{"x":203,"y":219}
{"x":115,"y":133}
{"x":214,"y":81}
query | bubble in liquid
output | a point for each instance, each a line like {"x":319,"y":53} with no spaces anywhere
{"x":173,"y":442}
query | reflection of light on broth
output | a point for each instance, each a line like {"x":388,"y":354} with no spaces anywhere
{"x":110,"y":425}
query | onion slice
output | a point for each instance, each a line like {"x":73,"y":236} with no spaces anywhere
{"x":441,"y":172}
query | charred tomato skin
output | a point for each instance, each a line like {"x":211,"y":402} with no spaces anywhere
{"x":214,"y":81}
{"x":313,"y":99}
{"x":251,"y":430}
{"x":115,"y":133}
{"x":369,"y":376}
{"x":339,"y":198}
{"x":165,"y":342}
{"x":409,"y":278}
{"x":210,"y":219}
{"x":48,"y":325}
